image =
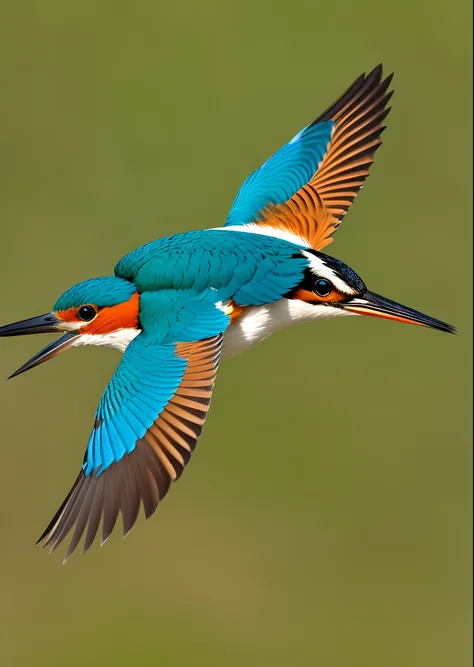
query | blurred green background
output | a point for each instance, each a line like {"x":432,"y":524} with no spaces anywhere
{"x":325,"y":518}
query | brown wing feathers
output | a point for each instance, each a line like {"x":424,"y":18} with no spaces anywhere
{"x":143,"y":476}
{"x":358,"y":115}
{"x":317,"y":208}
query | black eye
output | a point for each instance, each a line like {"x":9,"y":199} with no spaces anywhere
{"x":86,"y":313}
{"x":323,"y":287}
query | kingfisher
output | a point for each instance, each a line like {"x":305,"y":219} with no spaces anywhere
{"x":174,"y":307}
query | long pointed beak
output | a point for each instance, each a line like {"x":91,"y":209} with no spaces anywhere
{"x":42,"y":324}
{"x":48,"y":323}
{"x":378,"y":306}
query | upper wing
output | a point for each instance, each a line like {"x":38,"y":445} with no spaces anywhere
{"x":146,"y":428}
{"x":309,"y":184}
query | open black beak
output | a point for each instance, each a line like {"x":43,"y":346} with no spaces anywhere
{"x":378,"y":306}
{"x":48,"y":323}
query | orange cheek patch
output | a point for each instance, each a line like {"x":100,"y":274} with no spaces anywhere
{"x":122,"y":316}
{"x":307,"y":295}
{"x":69,"y":315}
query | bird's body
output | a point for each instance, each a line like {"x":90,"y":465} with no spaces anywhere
{"x":250,"y":271}
{"x":175,"y":306}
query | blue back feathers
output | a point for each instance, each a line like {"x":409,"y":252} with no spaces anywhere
{"x":250,"y":268}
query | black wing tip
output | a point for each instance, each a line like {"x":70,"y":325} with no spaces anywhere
{"x":378,"y":69}
{"x":377,"y":74}
{"x":370,"y":82}
{"x":389,"y":78}
{"x":50,"y":527}
{"x":77,"y":508}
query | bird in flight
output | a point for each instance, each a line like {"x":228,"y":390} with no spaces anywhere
{"x":175,"y":306}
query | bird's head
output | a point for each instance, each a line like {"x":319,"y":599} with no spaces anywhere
{"x":336,"y":289}
{"x":100,"y":311}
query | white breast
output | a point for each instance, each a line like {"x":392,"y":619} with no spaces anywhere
{"x":258,"y":322}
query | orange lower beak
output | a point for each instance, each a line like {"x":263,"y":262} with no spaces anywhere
{"x":378,"y":306}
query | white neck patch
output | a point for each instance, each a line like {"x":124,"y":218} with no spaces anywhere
{"x":119,"y":339}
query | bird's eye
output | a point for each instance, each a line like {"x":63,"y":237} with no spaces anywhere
{"x":323,"y":287}
{"x":86,"y":313}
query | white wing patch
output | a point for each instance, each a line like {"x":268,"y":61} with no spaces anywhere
{"x":253,"y":228}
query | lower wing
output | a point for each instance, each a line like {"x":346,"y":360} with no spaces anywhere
{"x":146,"y":428}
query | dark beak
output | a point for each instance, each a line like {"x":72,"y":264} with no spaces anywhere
{"x":378,"y":306}
{"x":48,"y":323}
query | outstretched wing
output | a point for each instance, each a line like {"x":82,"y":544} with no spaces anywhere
{"x":146,"y":428}
{"x":307,"y":187}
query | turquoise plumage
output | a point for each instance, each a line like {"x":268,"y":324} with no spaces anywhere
{"x":282,"y":175}
{"x":145,"y":380}
{"x":108,"y":291}
{"x":249,"y":268}
{"x":171,"y":303}
{"x":150,"y":371}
